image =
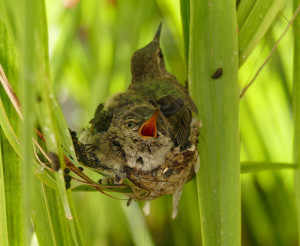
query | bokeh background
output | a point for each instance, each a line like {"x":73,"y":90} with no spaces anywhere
{"x":91,"y":44}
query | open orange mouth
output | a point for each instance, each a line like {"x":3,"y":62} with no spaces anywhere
{"x":149,"y":128}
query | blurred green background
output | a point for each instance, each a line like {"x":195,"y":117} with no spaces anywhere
{"x":91,"y":44}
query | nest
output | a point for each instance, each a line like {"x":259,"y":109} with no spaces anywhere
{"x":177,"y":169}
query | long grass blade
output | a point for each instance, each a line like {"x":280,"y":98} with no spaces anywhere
{"x":185,"y":17}
{"x":58,"y":133}
{"x":271,"y":53}
{"x":11,"y":211}
{"x":49,"y":122}
{"x":3,"y":219}
{"x":9,"y":131}
{"x":48,"y":216}
{"x":250,"y":167}
{"x":29,"y":78}
{"x":139,"y":231}
{"x":11,"y":232}
{"x":216,"y":96}
{"x":32,"y":43}
{"x":296,"y":109}
{"x":256,"y":24}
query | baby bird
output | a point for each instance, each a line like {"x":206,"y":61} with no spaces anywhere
{"x":146,"y":134}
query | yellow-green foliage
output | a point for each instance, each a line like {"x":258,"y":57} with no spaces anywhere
{"x":79,"y":52}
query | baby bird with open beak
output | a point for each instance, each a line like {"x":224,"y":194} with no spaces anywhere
{"x":146,"y":134}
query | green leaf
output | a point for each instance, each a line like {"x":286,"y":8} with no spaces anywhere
{"x":9,"y":131}
{"x":244,"y":9}
{"x":185,"y":17}
{"x":140,"y":235}
{"x":296,"y":110}
{"x":27,"y":24}
{"x":3,"y":219}
{"x":54,"y":126}
{"x":256,"y":24}
{"x":46,"y":178}
{"x":50,"y":224}
{"x":83,"y":188}
{"x":249,"y":167}
{"x":11,"y":232}
{"x":218,"y":104}
{"x":27,"y":46}
{"x":11,"y":203}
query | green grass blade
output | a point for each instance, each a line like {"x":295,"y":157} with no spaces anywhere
{"x":11,"y":211}
{"x":249,"y":167}
{"x":296,"y":108}
{"x":32,"y":44}
{"x":50,"y":129}
{"x":11,"y":231}
{"x":243,"y":11}
{"x":47,"y":112}
{"x":70,"y":25}
{"x":42,"y":219}
{"x":9,"y":131}
{"x":49,"y":217}
{"x":213,"y":44}
{"x":29,"y":61}
{"x":256,"y":25}
{"x":173,"y":49}
{"x":3,"y":218}
{"x":135,"y":218}
{"x":185,"y":17}
{"x":15,"y":142}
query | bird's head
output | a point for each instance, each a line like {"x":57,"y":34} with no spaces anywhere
{"x":138,"y":137}
{"x":147,"y":63}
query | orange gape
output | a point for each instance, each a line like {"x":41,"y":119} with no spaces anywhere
{"x":149,"y":129}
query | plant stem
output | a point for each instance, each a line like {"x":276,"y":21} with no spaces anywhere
{"x":296,"y":107}
{"x":213,"y":47}
{"x":250,"y":166}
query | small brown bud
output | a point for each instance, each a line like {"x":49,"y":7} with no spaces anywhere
{"x":54,"y":161}
{"x":67,"y":178}
{"x":66,"y":170}
{"x":68,"y":185}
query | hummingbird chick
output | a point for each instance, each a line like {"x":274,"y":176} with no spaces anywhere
{"x":146,"y":134}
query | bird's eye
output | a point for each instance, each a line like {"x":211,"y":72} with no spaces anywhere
{"x":160,"y":54}
{"x":130,"y":124}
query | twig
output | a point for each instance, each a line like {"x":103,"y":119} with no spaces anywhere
{"x":39,"y":160}
{"x":9,"y":91}
{"x":14,"y":99}
{"x":271,"y":53}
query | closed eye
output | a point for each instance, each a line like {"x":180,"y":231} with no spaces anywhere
{"x":160,"y":54}
{"x":130,"y":124}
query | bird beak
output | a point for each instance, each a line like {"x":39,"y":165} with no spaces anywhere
{"x":157,"y":35}
{"x":149,"y":128}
